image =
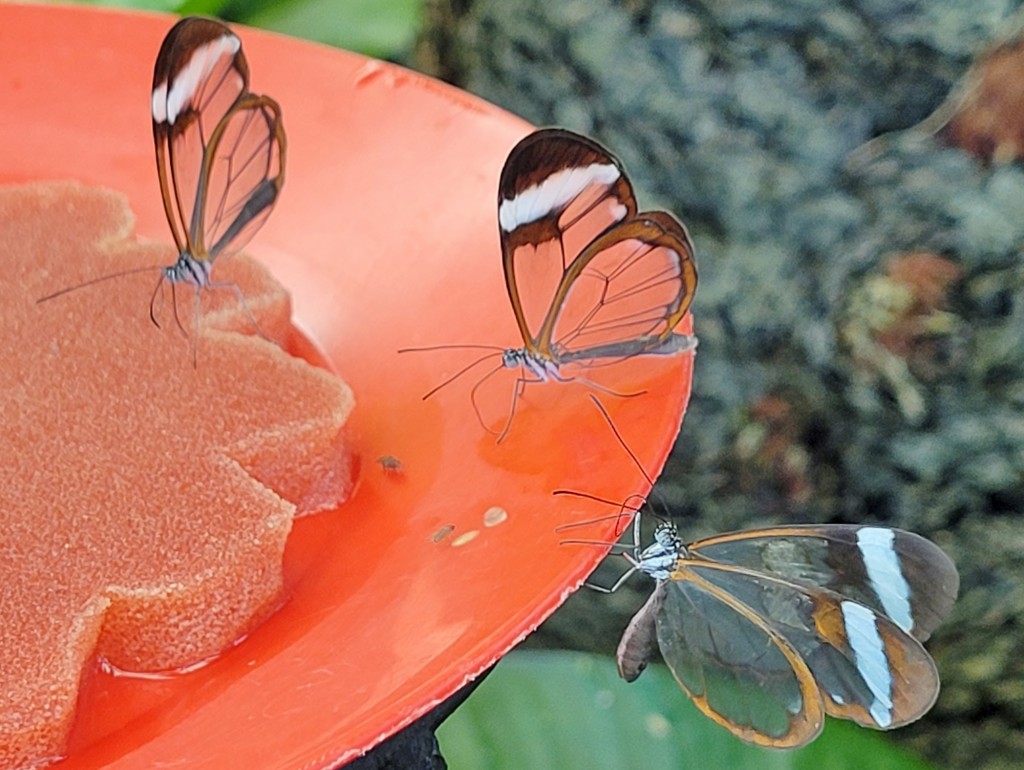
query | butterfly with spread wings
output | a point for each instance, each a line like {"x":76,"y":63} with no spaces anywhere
{"x":220,"y":153}
{"x":768,"y":630}
{"x":592,"y":281}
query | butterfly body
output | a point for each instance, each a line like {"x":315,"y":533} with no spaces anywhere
{"x":548,"y":367}
{"x":220,"y":151}
{"x":639,"y":641}
{"x":659,"y":559}
{"x":769,"y":630}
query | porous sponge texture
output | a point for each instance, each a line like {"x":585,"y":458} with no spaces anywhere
{"x":144,"y":501}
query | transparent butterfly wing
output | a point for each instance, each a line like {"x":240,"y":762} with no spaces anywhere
{"x":200,"y":74}
{"x":558,"y":192}
{"x":865,"y":667}
{"x":625,"y":294}
{"x":894,"y":572}
{"x":736,"y":668}
{"x":241,"y":175}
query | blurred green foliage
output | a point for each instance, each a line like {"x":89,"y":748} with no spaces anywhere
{"x":593,"y":720}
{"x":382,"y":28}
{"x":385,"y":29}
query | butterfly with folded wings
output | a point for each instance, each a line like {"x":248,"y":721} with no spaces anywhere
{"x":220,"y":154}
{"x":592,"y":280}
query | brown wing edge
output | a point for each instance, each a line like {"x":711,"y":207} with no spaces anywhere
{"x":659,"y":228}
{"x":805,"y":725}
{"x":532,"y":160}
{"x":263,"y":197}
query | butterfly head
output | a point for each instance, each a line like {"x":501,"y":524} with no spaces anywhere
{"x":659,"y":559}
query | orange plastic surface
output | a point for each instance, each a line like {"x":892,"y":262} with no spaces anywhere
{"x":386,"y":235}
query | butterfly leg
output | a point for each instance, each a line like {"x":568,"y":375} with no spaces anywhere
{"x":174,"y":303}
{"x":621,"y":579}
{"x":618,"y":583}
{"x":197,"y":309}
{"x":241,"y":301}
{"x":517,"y":391}
{"x":152,"y":301}
{"x":634,"y":565}
{"x":598,"y":387}
{"x":472,"y":394}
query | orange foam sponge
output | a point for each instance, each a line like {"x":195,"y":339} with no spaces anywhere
{"x":144,"y":501}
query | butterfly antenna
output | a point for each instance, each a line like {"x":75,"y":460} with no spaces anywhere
{"x":631,"y":506}
{"x":595,"y":498}
{"x":653,"y":492}
{"x":451,"y":347}
{"x":458,"y":374}
{"x":101,"y":279}
{"x":605,"y":543}
{"x":625,"y":507}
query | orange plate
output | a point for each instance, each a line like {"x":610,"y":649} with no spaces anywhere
{"x":386,"y":235}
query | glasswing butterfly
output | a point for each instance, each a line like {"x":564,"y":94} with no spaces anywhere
{"x":220,"y":153}
{"x":592,"y":280}
{"x":767,"y":630}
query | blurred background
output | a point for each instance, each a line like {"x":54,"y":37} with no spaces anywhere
{"x":851,"y":176}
